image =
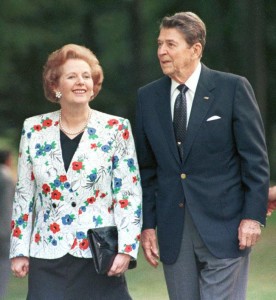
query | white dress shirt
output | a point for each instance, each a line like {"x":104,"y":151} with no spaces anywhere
{"x":191,"y":83}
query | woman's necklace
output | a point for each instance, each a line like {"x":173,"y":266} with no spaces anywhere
{"x":73,"y":133}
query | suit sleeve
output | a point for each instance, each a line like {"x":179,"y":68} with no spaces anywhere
{"x":148,"y":165}
{"x":6,"y":198}
{"x":23,"y":201}
{"x":251,"y":146}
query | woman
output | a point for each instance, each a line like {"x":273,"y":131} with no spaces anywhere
{"x":77,"y":170}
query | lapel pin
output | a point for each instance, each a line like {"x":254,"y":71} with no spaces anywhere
{"x":206,"y":98}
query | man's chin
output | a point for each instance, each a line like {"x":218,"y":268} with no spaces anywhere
{"x":167,"y":71}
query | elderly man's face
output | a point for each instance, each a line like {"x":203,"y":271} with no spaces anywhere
{"x":175,"y":55}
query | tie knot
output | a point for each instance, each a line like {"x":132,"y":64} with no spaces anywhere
{"x":182,"y":88}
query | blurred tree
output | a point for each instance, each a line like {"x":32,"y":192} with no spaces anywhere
{"x":240,"y":39}
{"x":30,"y":30}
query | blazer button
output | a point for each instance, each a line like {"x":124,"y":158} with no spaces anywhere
{"x":54,"y":205}
{"x":73,"y":204}
{"x":183,"y":176}
{"x":181,"y":205}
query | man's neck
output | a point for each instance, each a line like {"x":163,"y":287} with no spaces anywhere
{"x":183,"y":75}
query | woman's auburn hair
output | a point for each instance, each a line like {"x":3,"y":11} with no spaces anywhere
{"x":52,"y":68}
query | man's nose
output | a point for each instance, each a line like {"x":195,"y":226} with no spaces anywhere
{"x":162,"y":49}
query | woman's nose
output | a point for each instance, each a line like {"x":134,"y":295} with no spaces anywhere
{"x":80,"y":80}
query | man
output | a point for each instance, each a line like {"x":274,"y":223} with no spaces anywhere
{"x":271,"y":200}
{"x":6,"y":198}
{"x":205,"y":184}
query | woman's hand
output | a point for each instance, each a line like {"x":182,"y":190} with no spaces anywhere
{"x":120,"y":265}
{"x":20,"y":266}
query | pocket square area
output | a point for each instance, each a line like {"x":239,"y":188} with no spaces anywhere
{"x":213,"y":118}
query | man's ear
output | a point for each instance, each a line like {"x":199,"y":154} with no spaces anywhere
{"x":197,"y":50}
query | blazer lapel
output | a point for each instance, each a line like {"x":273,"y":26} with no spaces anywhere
{"x":82,"y":149}
{"x":163,"y":108}
{"x":55,"y":133}
{"x":201,"y":104}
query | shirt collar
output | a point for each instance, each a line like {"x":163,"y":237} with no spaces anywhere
{"x":192,"y":81}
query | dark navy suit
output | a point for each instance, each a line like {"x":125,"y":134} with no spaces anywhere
{"x":224,"y":176}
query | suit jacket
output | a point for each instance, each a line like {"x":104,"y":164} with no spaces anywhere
{"x":6,"y":199}
{"x":224,"y":176}
{"x":100,"y":188}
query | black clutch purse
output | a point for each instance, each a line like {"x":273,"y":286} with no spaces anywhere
{"x":103,"y":243}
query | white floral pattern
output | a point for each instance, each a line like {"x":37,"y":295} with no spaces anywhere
{"x":53,"y":209}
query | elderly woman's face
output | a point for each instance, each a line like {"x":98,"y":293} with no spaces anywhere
{"x":75,"y":83}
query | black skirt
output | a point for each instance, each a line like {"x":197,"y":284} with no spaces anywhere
{"x":72,"y":278}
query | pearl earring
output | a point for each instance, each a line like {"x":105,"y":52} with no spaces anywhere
{"x":58,"y":94}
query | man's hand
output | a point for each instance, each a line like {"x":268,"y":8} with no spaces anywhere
{"x":249,"y":233}
{"x":271,"y":200}
{"x":149,"y":245}
{"x":20,"y":266}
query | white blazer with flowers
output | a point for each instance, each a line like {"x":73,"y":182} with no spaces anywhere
{"x":53,"y":209}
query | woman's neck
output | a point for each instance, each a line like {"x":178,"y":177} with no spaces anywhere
{"x":74,"y":121}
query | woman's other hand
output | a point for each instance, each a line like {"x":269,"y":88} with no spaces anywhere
{"x":20,"y":266}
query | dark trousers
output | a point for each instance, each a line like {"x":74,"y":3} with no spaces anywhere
{"x":72,"y":278}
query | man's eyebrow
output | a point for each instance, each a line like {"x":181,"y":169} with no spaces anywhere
{"x":166,"y":40}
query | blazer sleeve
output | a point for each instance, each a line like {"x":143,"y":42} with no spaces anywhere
{"x":251,"y":146}
{"x":127,"y":192}
{"x":23,"y":201}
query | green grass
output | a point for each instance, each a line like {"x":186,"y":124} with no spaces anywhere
{"x":147,"y":283}
{"x":262,"y":275}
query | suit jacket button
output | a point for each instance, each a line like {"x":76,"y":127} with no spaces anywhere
{"x":73,"y":204}
{"x":181,"y":205}
{"x":54,"y":205}
{"x":183,"y":176}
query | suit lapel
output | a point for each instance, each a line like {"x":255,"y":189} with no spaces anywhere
{"x":163,"y":108}
{"x":201,"y":104}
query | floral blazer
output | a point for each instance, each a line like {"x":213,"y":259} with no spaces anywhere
{"x":53,"y":209}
